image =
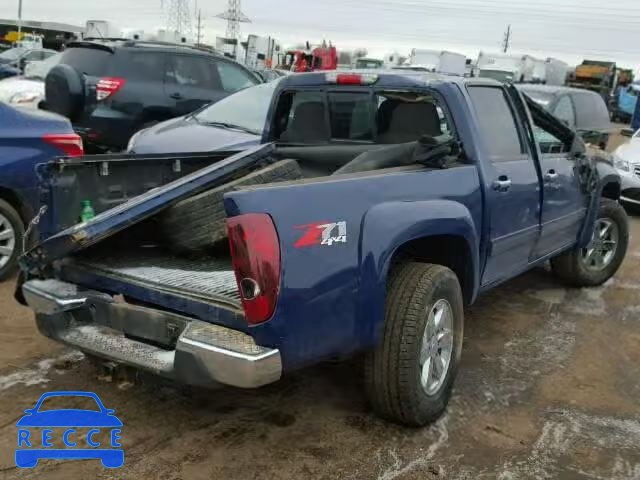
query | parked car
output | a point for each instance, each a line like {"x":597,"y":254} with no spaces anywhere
{"x":626,"y":159}
{"x":27,"y":91}
{"x":582,"y":110}
{"x":14,"y":61}
{"x":379,"y":208}
{"x":27,"y":138}
{"x":233,"y":123}
{"x":111,"y":89}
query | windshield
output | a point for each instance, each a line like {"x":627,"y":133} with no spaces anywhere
{"x":39,"y":70}
{"x":246,"y":109}
{"x":12,"y":54}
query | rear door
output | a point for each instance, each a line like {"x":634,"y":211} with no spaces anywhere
{"x":563,"y":203}
{"x":143,"y":97}
{"x":192,"y":81}
{"x":514,"y":190}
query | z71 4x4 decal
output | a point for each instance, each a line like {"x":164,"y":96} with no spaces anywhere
{"x":322,"y":233}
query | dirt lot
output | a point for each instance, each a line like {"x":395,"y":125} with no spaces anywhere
{"x":549,"y":388}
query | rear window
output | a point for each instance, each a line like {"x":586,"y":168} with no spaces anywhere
{"x":90,"y":61}
{"x":381,"y":117}
{"x":350,"y":116}
{"x":591,"y":112}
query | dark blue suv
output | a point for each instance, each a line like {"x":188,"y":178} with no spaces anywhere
{"x":111,"y":89}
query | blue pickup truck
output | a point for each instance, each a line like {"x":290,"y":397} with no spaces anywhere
{"x":380,"y":206}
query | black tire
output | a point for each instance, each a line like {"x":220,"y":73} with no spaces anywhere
{"x":573,"y":270}
{"x":198,"y":222}
{"x":65,"y":91}
{"x":393,"y":371}
{"x":15,"y":223}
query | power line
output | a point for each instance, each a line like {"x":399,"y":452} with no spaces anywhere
{"x":234,"y":16}
{"x":178,"y":18}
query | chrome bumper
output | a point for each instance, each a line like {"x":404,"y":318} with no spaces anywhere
{"x":200,"y":353}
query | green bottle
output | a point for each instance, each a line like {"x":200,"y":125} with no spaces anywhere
{"x":87,"y":211}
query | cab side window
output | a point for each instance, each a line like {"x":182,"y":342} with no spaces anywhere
{"x":497,"y":123}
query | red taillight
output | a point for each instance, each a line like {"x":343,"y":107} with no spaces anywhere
{"x":255,"y":254}
{"x":107,"y":86}
{"x":69,"y":143}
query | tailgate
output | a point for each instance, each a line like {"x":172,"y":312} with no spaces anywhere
{"x":111,"y":221}
{"x":108,"y":181}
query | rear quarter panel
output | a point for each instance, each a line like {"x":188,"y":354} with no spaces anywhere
{"x":332,"y":297}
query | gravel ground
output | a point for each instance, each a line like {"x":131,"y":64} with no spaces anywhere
{"x":549,"y":388}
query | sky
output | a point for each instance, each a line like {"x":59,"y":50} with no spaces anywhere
{"x":567,"y":29}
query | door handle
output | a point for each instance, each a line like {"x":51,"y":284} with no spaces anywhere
{"x":551,"y":176}
{"x":176,"y":96}
{"x":502,"y":184}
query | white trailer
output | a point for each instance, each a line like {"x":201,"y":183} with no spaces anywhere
{"x":557,"y":71}
{"x":510,"y":68}
{"x":261,"y":52}
{"x":101,"y":29}
{"x":439,"y":61}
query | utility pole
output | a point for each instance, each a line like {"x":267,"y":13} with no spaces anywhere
{"x":199,"y":28}
{"x":19,"y":18}
{"x":507,"y":39}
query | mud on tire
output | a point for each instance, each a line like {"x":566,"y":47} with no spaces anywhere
{"x":198,"y":222}
{"x":393,"y":371}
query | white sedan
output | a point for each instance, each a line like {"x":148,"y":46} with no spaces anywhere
{"x":627,"y":161}
{"x":27,"y":91}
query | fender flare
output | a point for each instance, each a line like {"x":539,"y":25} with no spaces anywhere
{"x":388,"y":226}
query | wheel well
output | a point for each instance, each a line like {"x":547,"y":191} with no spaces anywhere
{"x":450,"y":251}
{"x":16,"y":202}
{"x":611,"y":190}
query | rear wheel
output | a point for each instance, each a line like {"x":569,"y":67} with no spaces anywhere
{"x":600,"y":260}
{"x":410,"y":373}
{"x":11,"y":233}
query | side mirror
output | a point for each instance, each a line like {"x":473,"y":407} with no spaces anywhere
{"x":29,"y":410}
{"x":23,"y":64}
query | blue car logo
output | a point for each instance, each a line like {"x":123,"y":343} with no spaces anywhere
{"x":69,"y":425}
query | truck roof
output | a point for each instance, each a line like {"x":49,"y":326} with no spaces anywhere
{"x":385,"y":78}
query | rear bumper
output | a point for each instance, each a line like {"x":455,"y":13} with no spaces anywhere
{"x":191,"y":351}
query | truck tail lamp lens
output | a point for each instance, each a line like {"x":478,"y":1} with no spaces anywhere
{"x":107,"y":86}
{"x":69,"y":143}
{"x":255,"y":254}
{"x":352,"y":78}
